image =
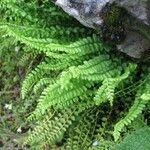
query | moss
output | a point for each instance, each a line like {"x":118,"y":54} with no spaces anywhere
{"x":113,"y":26}
{"x":144,"y":29}
{"x":112,"y":15}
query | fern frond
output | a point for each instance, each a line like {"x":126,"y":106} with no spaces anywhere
{"x":60,"y":33}
{"x":81,"y":47}
{"x":32,"y":78}
{"x":51,"y":130}
{"x":43,"y":82}
{"x":81,"y":137}
{"x":99,"y":66}
{"x":107,"y":91}
{"x":53,"y":95}
{"x":142,"y":98}
{"x":26,"y":57}
{"x":76,"y":73}
{"x":134,"y":111}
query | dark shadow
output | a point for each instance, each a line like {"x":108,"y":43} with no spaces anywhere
{"x":148,"y":10}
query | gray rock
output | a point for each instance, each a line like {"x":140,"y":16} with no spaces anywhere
{"x":135,"y":45}
{"x":85,"y":11}
{"x":90,"y":12}
{"x":140,"y":9}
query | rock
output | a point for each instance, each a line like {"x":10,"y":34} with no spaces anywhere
{"x":85,"y":11}
{"x":91,"y":14}
{"x":140,"y":9}
{"x":88,"y":12}
{"x":135,"y":45}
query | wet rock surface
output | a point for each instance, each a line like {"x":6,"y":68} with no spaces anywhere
{"x":91,"y":14}
{"x":140,"y":9}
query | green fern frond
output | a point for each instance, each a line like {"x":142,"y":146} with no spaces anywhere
{"x":107,"y":91}
{"x":60,"y":33}
{"x":84,"y":46}
{"x":97,"y":68}
{"x":26,"y":57}
{"x":43,"y":82}
{"x":53,"y":95}
{"x":134,"y":111}
{"x":51,"y":129}
{"x":76,"y":72}
{"x":81,"y":137}
{"x":142,"y":98}
{"x":32,"y":78}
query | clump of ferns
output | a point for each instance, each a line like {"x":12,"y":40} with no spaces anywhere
{"x":80,"y":83}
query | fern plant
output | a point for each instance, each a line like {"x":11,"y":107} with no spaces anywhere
{"x":79,"y":79}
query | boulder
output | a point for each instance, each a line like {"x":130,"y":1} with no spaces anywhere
{"x":136,"y":23}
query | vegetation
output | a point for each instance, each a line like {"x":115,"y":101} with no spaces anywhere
{"x":79,"y":92}
{"x":132,"y":141}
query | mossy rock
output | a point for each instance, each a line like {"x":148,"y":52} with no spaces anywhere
{"x":117,"y":20}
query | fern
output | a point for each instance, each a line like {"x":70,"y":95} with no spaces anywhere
{"x":142,"y":98}
{"x":56,"y":125}
{"x":83,"y":135}
{"x":43,"y":82}
{"x":107,"y":91}
{"x":53,"y":129}
{"x":79,"y":82}
{"x":32,"y":78}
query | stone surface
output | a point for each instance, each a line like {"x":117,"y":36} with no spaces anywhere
{"x":85,"y":11}
{"x":134,"y":45}
{"x":90,"y":12}
{"x":140,"y":9}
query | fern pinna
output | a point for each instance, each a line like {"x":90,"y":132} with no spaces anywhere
{"x":79,"y":80}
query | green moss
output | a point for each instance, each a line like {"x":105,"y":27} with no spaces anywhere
{"x":112,"y":15}
{"x":144,"y":29}
{"x":113,"y":27}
